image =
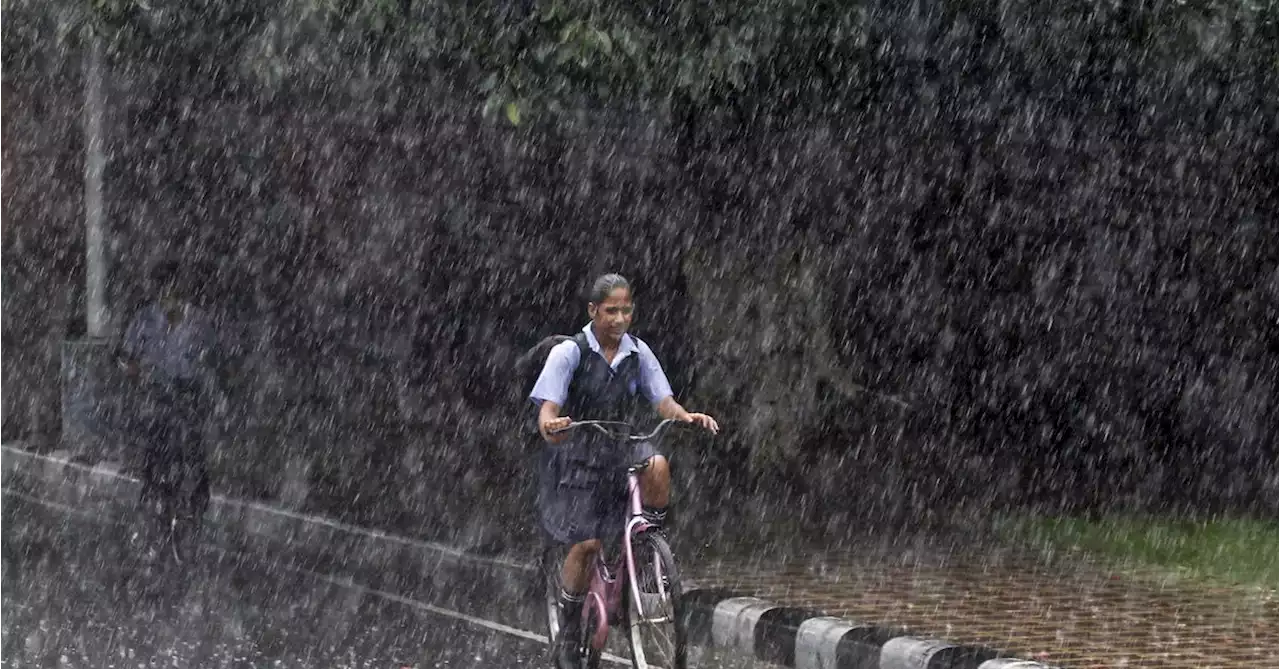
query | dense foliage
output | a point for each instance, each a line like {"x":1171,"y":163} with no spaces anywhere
{"x":757,"y":61}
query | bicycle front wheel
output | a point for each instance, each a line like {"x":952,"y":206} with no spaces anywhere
{"x":656,"y":630}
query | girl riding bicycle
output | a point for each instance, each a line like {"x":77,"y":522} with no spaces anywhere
{"x":600,"y":374}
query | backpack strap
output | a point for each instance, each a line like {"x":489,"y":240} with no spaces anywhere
{"x":584,"y":346}
{"x":584,"y":350}
{"x":639,"y":367}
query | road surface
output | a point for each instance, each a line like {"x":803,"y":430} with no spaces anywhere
{"x":75,"y":595}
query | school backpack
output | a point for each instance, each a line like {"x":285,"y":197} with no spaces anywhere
{"x":529,"y":366}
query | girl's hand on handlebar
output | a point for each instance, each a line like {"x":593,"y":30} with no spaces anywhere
{"x":553,"y":425}
{"x":705,"y":421}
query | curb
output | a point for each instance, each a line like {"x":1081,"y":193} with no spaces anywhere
{"x":808,"y":639}
{"x":487,"y":586}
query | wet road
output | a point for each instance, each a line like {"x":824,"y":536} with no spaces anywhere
{"x":75,"y":596}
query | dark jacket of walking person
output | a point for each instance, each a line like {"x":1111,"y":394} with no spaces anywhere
{"x":167,"y":352}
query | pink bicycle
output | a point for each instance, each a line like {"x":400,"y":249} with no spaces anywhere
{"x":639,"y":589}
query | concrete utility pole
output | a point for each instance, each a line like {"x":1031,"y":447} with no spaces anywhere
{"x":86,"y":364}
{"x":95,"y":160}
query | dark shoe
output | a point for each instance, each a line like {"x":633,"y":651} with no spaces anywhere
{"x":565,"y":652}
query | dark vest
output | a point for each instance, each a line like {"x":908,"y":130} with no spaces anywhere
{"x":600,"y":392}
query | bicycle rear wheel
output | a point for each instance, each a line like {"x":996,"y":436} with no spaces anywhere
{"x":656,"y":632}
{"x":551,"y":592}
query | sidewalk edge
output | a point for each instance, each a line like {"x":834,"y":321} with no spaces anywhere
{"x":809,"y":639}
{"x":782,"y":635}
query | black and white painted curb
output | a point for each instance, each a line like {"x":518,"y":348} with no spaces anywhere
{"x":487,"y":586}
{"x":807,"y":639}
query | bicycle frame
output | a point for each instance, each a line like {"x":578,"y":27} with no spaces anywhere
{"x":604,"y":594}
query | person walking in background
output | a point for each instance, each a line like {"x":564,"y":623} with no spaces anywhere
{"x":168,"y":352}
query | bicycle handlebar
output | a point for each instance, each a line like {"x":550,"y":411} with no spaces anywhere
{"x":606,"y":427}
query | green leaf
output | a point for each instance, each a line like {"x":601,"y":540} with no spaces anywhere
{"x":513,"y":113}
{"x":544,"y":51}
{"x":569,"y":30}
{"x":606,"y":44}
{"x":563,"y":55}
{"x":491,"y":105}
{"x":628,"y":44}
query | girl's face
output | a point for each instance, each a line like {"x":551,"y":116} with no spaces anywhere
{"x":611,"y":318}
